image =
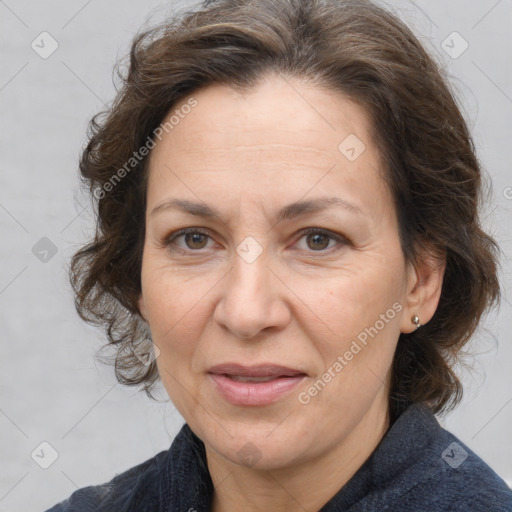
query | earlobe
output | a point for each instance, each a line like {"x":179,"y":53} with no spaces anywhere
{"x":424,"y":291}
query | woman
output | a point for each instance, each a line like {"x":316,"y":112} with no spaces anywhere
{"x":287,"y":205}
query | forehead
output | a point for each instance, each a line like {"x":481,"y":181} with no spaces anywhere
{"x":281,"y":136}
{"x":276,"y":110}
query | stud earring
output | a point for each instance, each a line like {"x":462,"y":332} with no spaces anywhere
{"x":416,"y":321}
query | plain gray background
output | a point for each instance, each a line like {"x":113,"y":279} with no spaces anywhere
{"x":52,"y":390}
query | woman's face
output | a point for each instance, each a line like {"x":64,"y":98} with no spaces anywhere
{"x":275,"y":345}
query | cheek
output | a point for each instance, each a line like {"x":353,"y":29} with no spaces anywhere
{"x":174,"y":314}
{"x":171,"y":299}
{"x":355,"y":302}
{"x":176,"y":320}
{"x":362,"y":314}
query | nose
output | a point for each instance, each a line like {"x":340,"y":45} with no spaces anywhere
{"x":252,"y":299}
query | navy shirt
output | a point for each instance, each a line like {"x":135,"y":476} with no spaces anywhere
{"x":417,"y":467}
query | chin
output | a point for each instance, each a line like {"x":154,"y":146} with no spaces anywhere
{"x":265,"y":445}
{"x":261,"y":453}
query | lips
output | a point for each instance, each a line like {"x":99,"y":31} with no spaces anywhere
{"x":255,"y":385}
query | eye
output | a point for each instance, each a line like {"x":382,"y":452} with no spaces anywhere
{"x":194,"y":239}
{"x":318,"y":240}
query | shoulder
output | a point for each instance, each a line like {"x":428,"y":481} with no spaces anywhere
{"x":472,"y":485}
{"x":449,"y":476}
{"x":136,"y":489}
{"x":170,"y":479}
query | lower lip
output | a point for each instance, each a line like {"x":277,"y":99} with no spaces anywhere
{"x":254,"y":393}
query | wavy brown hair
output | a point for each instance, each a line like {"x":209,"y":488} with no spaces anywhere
{"x":355,"y":48}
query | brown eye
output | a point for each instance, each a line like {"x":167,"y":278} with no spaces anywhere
{"x":317,"y":241}
{"x":195,"y":240}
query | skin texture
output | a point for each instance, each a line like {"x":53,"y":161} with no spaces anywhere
{"x":300,"y":303}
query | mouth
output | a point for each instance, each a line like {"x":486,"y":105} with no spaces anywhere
{"x":254,"y":385}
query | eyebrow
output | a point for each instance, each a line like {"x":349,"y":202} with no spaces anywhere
{"x":288,"y":212}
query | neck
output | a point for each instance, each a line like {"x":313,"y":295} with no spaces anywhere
{"x":305,"y":486}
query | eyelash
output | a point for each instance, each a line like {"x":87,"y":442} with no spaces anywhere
{"x":169,"y":241}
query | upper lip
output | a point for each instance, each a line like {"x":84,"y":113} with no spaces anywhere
{"x":260,"y":370}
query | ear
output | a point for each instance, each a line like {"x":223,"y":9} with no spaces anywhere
{"x":424,"y":285}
